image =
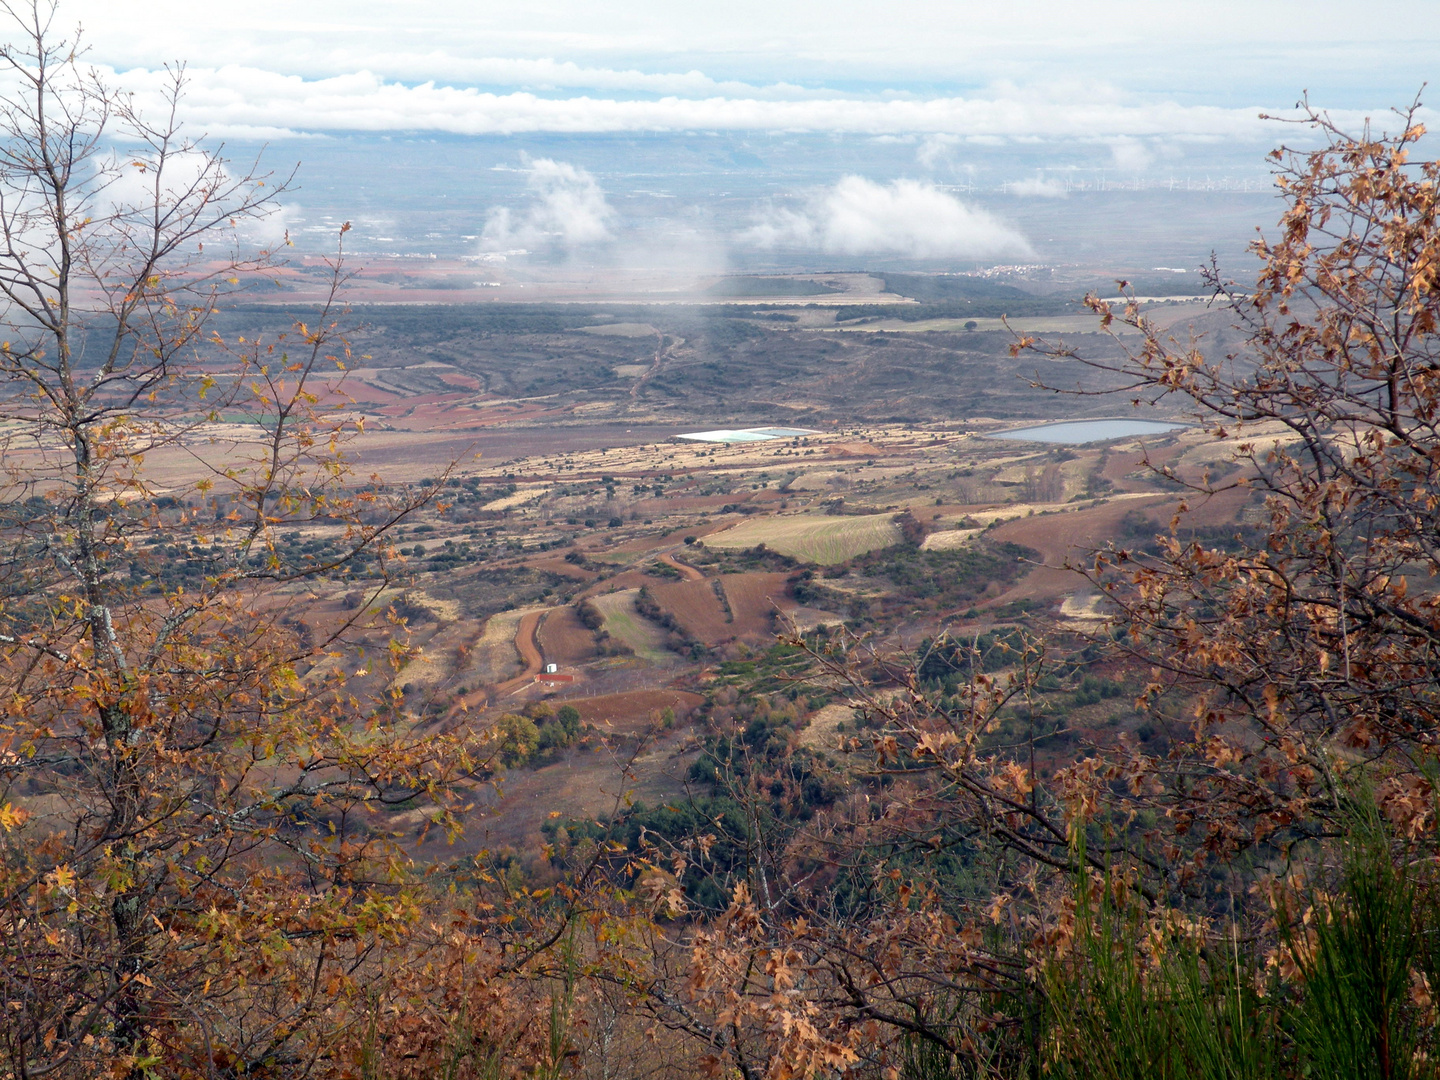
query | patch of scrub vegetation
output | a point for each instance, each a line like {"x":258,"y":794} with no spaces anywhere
{"x":903,"y":578}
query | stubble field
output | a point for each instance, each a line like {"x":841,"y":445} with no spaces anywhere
{"x":810,"y":538}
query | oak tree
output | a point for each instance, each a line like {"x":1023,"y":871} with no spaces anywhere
{"x":193,"y":879}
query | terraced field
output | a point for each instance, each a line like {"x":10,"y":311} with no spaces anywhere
{"x":753,"y":599}
{"x":811,"y":538}
{"x":696,"y":607}
{"x":564,"y":639}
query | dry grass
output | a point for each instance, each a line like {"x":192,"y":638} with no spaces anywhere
{"x":493,"y":658}
{"x":520,"y":498}
{"x":949,"y":539}
{"x":823,"y":731}
{"x":812,"y":538}
{"x":632,"y":711}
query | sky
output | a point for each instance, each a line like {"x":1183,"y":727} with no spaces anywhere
{"x":1179,"y":69}
{"x":914,"y":130}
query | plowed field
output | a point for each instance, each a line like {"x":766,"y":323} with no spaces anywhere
{"x":564,"y":638}
{"x":630,"y":711}
{"x":753,"y":598}
{"x":697,"y":608}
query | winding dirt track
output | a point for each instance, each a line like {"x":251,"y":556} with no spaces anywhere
{"x":689,"y":573}
{"x":529,"y":649}
{"x":654,"y":367}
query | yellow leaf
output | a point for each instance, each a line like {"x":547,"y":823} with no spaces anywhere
{"x":11,"y":817}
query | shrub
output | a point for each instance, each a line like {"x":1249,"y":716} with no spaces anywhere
{"x":517,"y":739}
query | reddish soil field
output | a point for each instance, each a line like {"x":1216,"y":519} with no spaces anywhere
{"x":626,"y":579}
{"x":753,"y":597}
{"x":688,"y":572}
{"x":1119,"y":465}
{"x":1059,"y":537}
{"x":563,"y":568}
{"x":697,"y":608}
{"x":355,"y":388}
{"x":629,"y":712}
{"x":585,"y":784}
{"x":454,"y":378}
{"x":650,"y":543}
{"x":564,"y":638}
{"x":526,"y":644}
{"x":429,"y":406}
{"x":529,"y":650}
{"x":1221,"y":509}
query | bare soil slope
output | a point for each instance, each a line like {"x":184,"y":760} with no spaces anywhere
{"x":696,"y":607}
{"x":564,"y":639}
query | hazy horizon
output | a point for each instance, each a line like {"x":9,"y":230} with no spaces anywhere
{"x":797,"y":137}
{"x":713,"y":204}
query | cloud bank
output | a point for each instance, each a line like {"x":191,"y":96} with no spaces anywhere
{"x":568,"y":209}
{"x":860,"y":217}
{"x":1222,"y":51}
{"x":1040,"y":187}
{"x":249,"y":102}
{"x":1130,"y":155}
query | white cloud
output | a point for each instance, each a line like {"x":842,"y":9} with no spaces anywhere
{"x":1038,"y":187}
{"x":1211,"y":48}
{"x":548,"y":73}
{"x":251,"y":102}
{"x":130,"y":186}
{"x":859,"y":217}
{"x":936,"y":149}
{"x":1130,"y":155}
{"x":567,"y":208}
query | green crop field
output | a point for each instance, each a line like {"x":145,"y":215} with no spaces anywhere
{"x":810,"y":538}
{"x":625,"y":624}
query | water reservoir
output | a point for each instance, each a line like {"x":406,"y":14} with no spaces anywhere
{"x":1087,"y":431}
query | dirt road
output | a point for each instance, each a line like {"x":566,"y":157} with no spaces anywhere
{"x":654,"y":366}
{"x":529,"y":650}
{"x":689,"y":573}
